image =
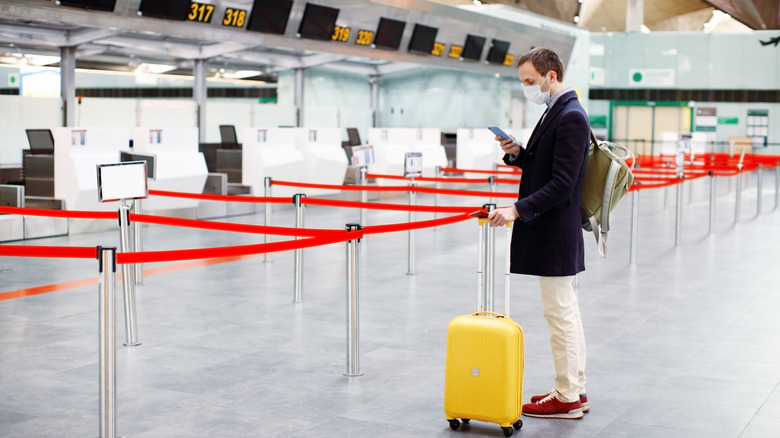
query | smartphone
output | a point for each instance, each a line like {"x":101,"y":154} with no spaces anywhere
{"x":498,"y":131}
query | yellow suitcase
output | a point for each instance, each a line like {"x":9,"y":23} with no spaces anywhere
{"x":484,"y":371}
{"x":483,"y":376}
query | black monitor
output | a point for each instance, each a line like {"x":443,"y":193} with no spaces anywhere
{"x":388,"y":33}
{"x":423,"y":38}
{"x":228,"y":134}
{"x":354,"y":137}
{"x":497,"y":52}
{"x":167,"y":9}
{"x":95,"y":5}
{"x":472,"y":48}
{"x":41,"y":141}
{"x":318,"y":22}
{"x":269,"y":16}
{"x":125,"y":157}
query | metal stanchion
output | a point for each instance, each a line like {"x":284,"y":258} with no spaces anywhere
{"x":139,"y":267}
{"x":678,"y":213}
{"x":436,"y":196}
{"x":712,"y":201}
{"x":298,"y":283}
{"x":127,"y":277}
{"x":759,"y":186}
{"x":492,"y":183}
{"x":738,"y":203}
{"x":634,"y":226}
{"x":267,"y":219}
{"x":353,"y":295}
{"x":412,"y":265}
{"x":364,"y":193}
{"x":107,"y":335}
{"x":777,"y":185}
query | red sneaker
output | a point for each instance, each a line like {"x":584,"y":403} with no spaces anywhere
{"x":552,"y":407}
{"x":583,"y":400}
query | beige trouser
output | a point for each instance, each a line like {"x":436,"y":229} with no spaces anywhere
{"x":567,"y":339}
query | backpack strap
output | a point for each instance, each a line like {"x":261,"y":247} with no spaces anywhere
{"x":609,"y":188}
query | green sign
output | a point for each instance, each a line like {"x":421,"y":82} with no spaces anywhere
{"x":597,"y":122}
{"x":728,"y":120}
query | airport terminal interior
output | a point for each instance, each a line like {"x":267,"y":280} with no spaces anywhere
{"x":255,"y":218}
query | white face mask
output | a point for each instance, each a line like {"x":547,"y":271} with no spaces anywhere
{"x":535,"y":94}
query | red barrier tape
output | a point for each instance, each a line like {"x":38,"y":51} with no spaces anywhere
{"x":65,"y":252}
{"x":429,"y":179}
{"x":376,"y":229}
{"x":72,"y":214}
{"x":383,"y":206}
{"x":232,"y":251}
{"x":494,"y":172}
{"x":236,"y":228}
{"x":398,"y":189}
{"x":231,"y":198}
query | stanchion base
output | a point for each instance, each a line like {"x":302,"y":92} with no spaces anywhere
{"x":128,"y":344}
{"x":352,"y":375}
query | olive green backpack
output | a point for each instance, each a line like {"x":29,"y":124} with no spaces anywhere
{"x":607,"y":179}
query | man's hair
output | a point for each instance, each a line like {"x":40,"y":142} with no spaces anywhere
{"x":543,"y":60}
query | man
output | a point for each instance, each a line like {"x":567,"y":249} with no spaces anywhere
{"x":547,"y":238}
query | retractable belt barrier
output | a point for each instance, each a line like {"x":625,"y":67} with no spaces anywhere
{"x":652,"y":173}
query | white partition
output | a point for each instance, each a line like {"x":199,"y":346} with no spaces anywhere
{"x":77,"y":152}
{"x":180,"y":167}
{"x":391,"y":144}
{"x":326,"y":162}
{"x":271,"y":152}
{"x":476,"y":148}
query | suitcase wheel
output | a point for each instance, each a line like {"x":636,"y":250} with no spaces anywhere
{"x":454,"y":424}
{"x":518,"y":424}
{"x":508,"y":431}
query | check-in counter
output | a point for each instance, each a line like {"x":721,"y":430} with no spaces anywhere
{"x":77,"y":152}
{"x":179,"y":165}
{"x":391,"y":145}
{"x":476,"y":148}
{"x":271,"y":152}
{"x":325,"y":160}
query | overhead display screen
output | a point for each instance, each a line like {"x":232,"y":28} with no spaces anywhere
{"x":269,"y":16}
{"x":168,"y":9}
{"x":423,"y":39}
{"x":497,"y":52}
{"x":318,"y":22}
{"x":95,"y":5}
{"x":472,"y":48}
{"x":389,"y":33}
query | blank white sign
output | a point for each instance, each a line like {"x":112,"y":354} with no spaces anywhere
{"x":122,"y":181}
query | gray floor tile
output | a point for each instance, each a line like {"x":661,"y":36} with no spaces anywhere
{"x":681,"y":344}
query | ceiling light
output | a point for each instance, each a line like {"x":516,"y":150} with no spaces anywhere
{"x":154,"y":68}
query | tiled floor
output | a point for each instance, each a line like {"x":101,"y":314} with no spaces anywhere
{"x":683,"y":343}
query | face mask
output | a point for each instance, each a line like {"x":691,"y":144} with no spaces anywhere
{"x":535,"y":94}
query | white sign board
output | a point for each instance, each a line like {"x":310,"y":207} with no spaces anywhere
{"x":413,"y":164}
{"x":362,"y":156}
{"x":122,"y":181}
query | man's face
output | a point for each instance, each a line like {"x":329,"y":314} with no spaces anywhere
{"x":528,"y":74}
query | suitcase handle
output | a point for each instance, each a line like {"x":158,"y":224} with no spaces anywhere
{"x":497,"y":315}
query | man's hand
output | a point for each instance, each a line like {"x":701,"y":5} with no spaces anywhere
{"x":509,"y":146}
{"x":501,"y":216}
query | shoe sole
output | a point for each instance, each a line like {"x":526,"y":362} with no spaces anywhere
{"x":585,"y":408}
{"x":571,"y":415}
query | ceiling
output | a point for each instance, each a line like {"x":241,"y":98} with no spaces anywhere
{"x":32,"y":32}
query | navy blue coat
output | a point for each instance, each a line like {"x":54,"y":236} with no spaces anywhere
{"x":547,"y":238}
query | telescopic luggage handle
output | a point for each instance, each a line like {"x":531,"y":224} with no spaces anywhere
{"x":481,"y":266}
